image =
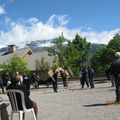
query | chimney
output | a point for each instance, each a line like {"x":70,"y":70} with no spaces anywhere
{"x":11,"y":48}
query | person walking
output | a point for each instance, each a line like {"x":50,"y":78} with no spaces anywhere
{"x":90,"y":76}
{"x":115,"y":70}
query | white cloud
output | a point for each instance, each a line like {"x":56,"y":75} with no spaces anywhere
{"x":2,"y":10}
{"x":61,"y":20}
{"x":34,"y":29}
{"x":101,"y":37}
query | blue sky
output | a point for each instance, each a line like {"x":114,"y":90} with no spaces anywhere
{"x":22,"y":21}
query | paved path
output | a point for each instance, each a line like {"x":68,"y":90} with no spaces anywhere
{"x":74,"y":103}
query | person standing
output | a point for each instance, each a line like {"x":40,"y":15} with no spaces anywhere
{"x":84,"y":77}
{"x":55,"y":80}
{"x":115,"y":70}
{"x":90,"y":76}
{"x":26,"y":81}
{"x":64,"y":78}
{"x":35,"y":80}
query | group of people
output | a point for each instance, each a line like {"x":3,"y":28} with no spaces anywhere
{"x":19,"y":82}
{"x":18,"y":85}
{"x":54,"y":79}
{"x":5,"y":80}
{"x":86,"y":76}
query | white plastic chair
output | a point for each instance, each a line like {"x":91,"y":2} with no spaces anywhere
{"x":12,"y":94}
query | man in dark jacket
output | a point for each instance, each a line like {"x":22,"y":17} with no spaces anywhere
{"x":55,"y":80}
{"x":84,"y":77}
{"x":90,"y":76}
{"x":115,"y":70}
{"x":28,"y":102}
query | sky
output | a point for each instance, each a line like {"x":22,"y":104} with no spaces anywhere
{"x":22,"y":21}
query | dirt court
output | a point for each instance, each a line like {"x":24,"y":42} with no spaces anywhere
{"x":74,"y":103}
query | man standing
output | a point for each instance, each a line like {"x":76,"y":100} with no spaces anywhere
{"x":84,"y":77}
{"x":64,"y":78}
{"x":35,"y":80}
{"x":90,"y":76}
{"x":55,"y":80}
{"x":115,"y":70}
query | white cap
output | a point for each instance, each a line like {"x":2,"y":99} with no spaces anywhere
{"x":117,"y":54}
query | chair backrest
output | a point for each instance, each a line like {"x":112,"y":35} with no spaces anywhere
{"x":16,"y":98}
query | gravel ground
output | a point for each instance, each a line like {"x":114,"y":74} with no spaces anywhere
{"x":74,"y":103}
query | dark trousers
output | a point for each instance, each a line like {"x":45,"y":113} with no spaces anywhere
{"x":55,"y":86}
{"x":91,"y":82}
{"x":117,"y":85}
{"x":83,"y":81}
{"x":2,"y":89}
{"x":65,"y":83}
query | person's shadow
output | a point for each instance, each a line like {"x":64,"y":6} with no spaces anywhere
{"x":95,"y":105}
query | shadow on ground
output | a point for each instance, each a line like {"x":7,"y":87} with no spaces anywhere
{"x":95,"y":105}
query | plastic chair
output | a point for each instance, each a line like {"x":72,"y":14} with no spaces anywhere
{"x":12,"y":94}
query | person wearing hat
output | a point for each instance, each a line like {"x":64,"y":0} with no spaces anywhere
{"x":115,"y":70}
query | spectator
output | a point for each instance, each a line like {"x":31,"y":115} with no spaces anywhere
{"x":15,"y":84}
{"x":26,"y":81}
{"x":20,"y":77}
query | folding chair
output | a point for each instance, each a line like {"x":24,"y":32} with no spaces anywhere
{"x":12,"y":94}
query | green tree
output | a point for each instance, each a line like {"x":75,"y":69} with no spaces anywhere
{"x":15,"y":64}
{"x":73,"y":54}
{"x":41,"y":64}
{"x":59,"y":50}
{"x":77,"y":52}
{"x":103,"y":56}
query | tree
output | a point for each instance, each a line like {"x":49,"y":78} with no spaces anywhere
{"x":103,"y":56}
{"x":77,"y":52}
{"x":15,"y":64}
{"x":41,"y":64}
{"x":55,"y":62}
{"x":59,"y":50}
{"x":73,"y":54}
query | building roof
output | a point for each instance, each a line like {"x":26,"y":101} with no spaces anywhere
{"x":37,"y":56}
{"x":28,"y":55}
{"x":20,"y":52}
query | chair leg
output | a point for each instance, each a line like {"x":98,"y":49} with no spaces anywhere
{"x":21,"y":116}
{"x":11,"y":117}
{"x":34,"y":114}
